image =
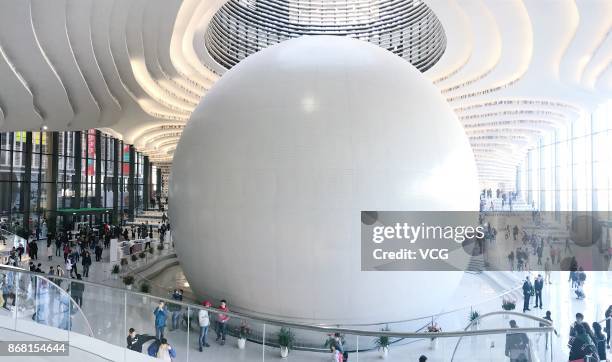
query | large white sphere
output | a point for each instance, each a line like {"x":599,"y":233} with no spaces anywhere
{"x":280,"y":157}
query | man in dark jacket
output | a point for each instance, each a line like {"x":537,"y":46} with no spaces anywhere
{"x":86,"y":262}
{"x":538,"y":285}
{"x":136,"y":341}
{"x":527,"y":290}
{"x":76,"y":291}
{"x":517,"y":345}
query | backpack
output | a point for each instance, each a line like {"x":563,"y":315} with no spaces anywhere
{"x":153,"y":348}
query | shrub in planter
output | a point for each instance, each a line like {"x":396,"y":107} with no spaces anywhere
{"x":128,"y":280}
{"x":382,"y":343}
{"x":142,"y":255}
{"x":115,"y":269}
{"x":160,"y":246}
{"x":243,"y":333}
{"x":508,"y":304}
{"x":286,"y":338}
{"x":151,"y":251}
{"x":124,"y":261}
{"x":145,"y":288}
{"x":473,"y":318}
{"x":134,"y":257}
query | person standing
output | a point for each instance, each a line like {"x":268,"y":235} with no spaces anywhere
{"x":76,"y":291}
{"x":34,"y":250}
{"x":608,"y":316}
{"x":527,"y":291}
{"x":165,"y":351}
{"x":49,"y":249}
{"x":204,"y":322}
{"x":600,"y":341}
{"x":176,"y":308}
{"x":580,"y":344}
{"x":86,"y":262}
{"x":547,"y":270}
{"x":160,"y":313}
{"x":222,"y":320}
{"x":517,"y":345}
{"x":538,"y":285}
{"x":58,"y":246}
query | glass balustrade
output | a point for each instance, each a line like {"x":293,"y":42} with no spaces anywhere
{"x":96,"y":319}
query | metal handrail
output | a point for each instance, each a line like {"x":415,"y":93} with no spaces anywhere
{"x":316,"y":328}
{"x":547,"y":325}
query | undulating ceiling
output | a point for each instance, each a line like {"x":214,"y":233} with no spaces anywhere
{"x":512,"y":70}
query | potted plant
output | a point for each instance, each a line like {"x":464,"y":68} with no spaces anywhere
{"x":115,"y":271}
{"x":124,"y":263}
{"x":507,"y":305}
{"x":128,"y":280}
{"x":160,"y":247}
{"x":142,"y":255}
{"x":243,"y":334}
{"x":382,"y":343}
{"x":145,"y":288}
{"x":285,"y":340}
{"x":151,"y":251}
{"x":134,"y":257}
{"x":434,"y":328}
{"x":474,"y":318}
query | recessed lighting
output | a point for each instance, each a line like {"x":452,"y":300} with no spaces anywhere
{"x":44,"y":128}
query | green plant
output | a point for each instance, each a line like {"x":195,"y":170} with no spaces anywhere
{"x":142,"y":255}
{"x":145,"y":288}
{"x":474,"y":315}
{"x":286,"y":338}
{"x":115,"y":269}
{"x":134,"y":257}
{"x":124,"y":261}
{"x":383,"y":341}
{"x":243,"y":330}
{"x":151,"y":251}
{"x":128,"y":280}
{"x":160,"y":246}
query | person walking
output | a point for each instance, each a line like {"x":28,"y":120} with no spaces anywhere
{"x":204,"y":322}
{"x":538,"y":285}
{"x":160,"y":313}
{"x":527,"y":291}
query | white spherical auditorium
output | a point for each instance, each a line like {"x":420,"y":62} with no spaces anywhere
{"x":280,"y":157}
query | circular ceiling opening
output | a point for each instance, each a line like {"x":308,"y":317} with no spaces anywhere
{"x":407,"y":28}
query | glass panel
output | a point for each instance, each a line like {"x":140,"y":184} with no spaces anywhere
{"x":40,"y":308}
{"x":7,"y":304}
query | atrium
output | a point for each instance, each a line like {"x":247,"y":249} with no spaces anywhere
{"x":306,"y":180}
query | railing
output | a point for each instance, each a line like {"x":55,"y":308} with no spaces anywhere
{"x":112,"y":311}
{"x":11,"y":240}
